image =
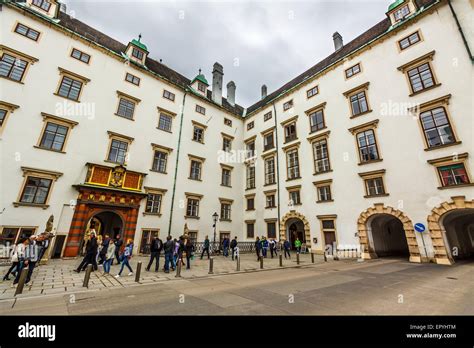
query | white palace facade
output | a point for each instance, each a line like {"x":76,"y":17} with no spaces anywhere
{"x":372,"y":147}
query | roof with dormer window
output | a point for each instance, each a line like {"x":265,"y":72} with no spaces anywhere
{"x":395,"y":4}
{"x":200,"y":78}
{"x":138,"y":44}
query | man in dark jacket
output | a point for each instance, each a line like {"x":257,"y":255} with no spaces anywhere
{"x":233,"y":245}
{"x":225,"y":246}
{"x":155,"y":251}
{"x":206,"y":247}
{"x":168,"y":249}
{"x":118,"y":245}
{"x":258,"y":248}
{"x":287,"y":246}
{"x":189,"y":247}
{"x":91,"y":252}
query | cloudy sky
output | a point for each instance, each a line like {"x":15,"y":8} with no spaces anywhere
{"x":257,"y":42}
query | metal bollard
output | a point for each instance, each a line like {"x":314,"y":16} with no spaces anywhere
{"x":261,"y":262}
{"x":312,"y":257}
{"x":238,"y":263}
{"x":21,"y":281}
{"x":297,"y":258}
{"x":178,"y":269}
{"x":325,"y":257}
{"x":139,"y":270}
{"x":281,"y":260}
{"x":336,"y":258}
{"x":211,"y":265}
{"x":87,"y":277}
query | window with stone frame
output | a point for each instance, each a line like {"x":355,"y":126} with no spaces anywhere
{"x":165,"y":122}
{"x":153,"y":203}
{"x":367,"y":145}
{"x":27,"y":32}
{"x":250,"y":177}
{"x":268,"y":141}
{"x":353,"y":70}
{"x":42,"y":4}
{"x":226,"y":177}
{"x":316,"y":120}
{"x":160,"y":159}
{"x":421,"y":77}
{"x":409,"y":40}
{"x":226,"y":144}
{"x":168,"y":95}
{"x":250,"y":230}
{"x":374,"y":183}
{"x":312,"y":92}
{"x":293,"y":164}
{"x":324,"y":193}
{"x":118,"y":151}
{"x":271,"y":230}
{"x":294,"y":197}
{"x":14,"y":64}
{"x":192,"y":207}
{"x":321,"y":156}
{"x":251,"y":203}
{"x":437,"y":127}
{"x":196,"y":168}
{"x":267,"y":116}
{"x":270,"y":170}
{"x":198,"y":134}
{"x":54,"y":136}
{"x":132,"y":79}
{"x":83,"y":57}
{"x":225,"y":211}
{"x":290,"y":132}
{"x":36,"y":190}
{"x":270,"y":200}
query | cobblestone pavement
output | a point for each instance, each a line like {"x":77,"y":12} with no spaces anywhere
{"x":58,"y":275}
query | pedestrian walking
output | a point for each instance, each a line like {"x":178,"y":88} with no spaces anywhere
{"x":22,"y":259}
{"x":287,"y":247}
{"x":181,"y":249}
{"x":103,"y":250}
{"x":206,"y":247}
{"x":126,"y":256}
{"x":169,"y":249}
{"x":174,"y":259}
{"x":17,"y":253}
{"x":118,"y":245}
{"x":91,"y":252}
{"x":155,"y":251}
{"x":225,"y":246}
{"x":233,"y":245}
{"x":32,"y":253}
{"x":189,"y":252}
{"x":273,"y":247}
{"x":109,"y":257}
{"x":298,"y":245}
{"x":264,"y":246}
{"x":258,"y":248}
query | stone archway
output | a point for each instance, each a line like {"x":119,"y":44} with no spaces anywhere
{"x":436,"y":228}
{"x":295,"y":215}
{"x":363,"y":231}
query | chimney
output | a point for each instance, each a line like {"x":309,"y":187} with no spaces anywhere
{"x":337,"y":41}
{"x":231,"y":93}
{"x":217,"y":77}
{"x":264,"y":91}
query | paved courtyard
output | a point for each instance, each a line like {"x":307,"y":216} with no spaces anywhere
{"x":58,"y":276}
{"x":383,"y":286}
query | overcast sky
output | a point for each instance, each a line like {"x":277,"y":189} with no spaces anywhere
{"x":257,"y":42}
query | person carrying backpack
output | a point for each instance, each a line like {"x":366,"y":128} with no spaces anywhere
{"x":287,"y":246}
{"x":155,"y":251}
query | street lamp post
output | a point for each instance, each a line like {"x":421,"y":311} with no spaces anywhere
{"x":214,"y":218}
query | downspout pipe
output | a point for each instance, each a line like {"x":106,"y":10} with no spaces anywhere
{"x":460,"y":31}
{"x":177,"y":162}
{"x":277,"y":168}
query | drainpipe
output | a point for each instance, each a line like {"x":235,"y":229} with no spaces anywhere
{"x":460,"y":30}
{"x":177,"y":161}
{"x":277,"y":167}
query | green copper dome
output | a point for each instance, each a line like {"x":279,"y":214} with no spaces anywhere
{"x":200,"y":78}
{"x":139,"y":44}
{"x":395,"y":4}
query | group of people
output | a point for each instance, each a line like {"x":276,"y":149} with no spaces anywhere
{"x":232,"y":244}
{"x":27,"y":253}
{"x":174,"y":251}
{"x":262,"y":245}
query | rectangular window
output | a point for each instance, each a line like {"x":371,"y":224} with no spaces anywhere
{"x":270,"y":201}
{"x":312,"y":92}
{"x":159,"y":161}
{"x":70,"y":88}
{"x":251,"y":203}
{"x":54,"y":136}
{"x":250,"y":230}
{"x":42,"y":4}
{"x":137,"y":53}
{"x":12,"y":67}
{"x":367,"y":146}
{"x":290,"y":132}
{"x":168,"y":95}
{"x":250,"y":147}
{"x":271,"y":229}
{"x":270,"y":171}
{"x":225,"y":177}
{"x":353,"y":70}
{"x":132,"y":79}
{"x":250,"y":177}
{"x":27,"y":32}
{"x":118,"y":151}
{"x":321,"y":156}
{"x":3,"y":115}
{"x":202,"y":87}
{"x":288,"y":105}
{"x":401,"y":13}
{"x":250,"y":125}
{"x":193,"y":236}
{"x":268,"y":142}
{"x":421,"y":77}
{"x":453,"y":175}
{"x":36,"y":190}
{"x":374,"y":186}
{"x":226,"y":144}
{"x":267,"y":116}
{"x":324,"y":193}
{"x":79,"y":55}
{"x":436,"y":127}
{"x":165,"y":122}
{"x":228,"y":122}
{"x":316,"y":120}
{"x":359,"y":103}
{"x":126,"y":108}
{"x":198,"y":134}
{"x":409,"y":40}
{"x":295,"y":198}
{"x":192,"y":209}
{"x":153,"y":203}
{"x":225,"y":212}
{"x":11,"y":235}
{"x":200,"y":109}
{"x":195,"y":173}
{"x":293,"y":164}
